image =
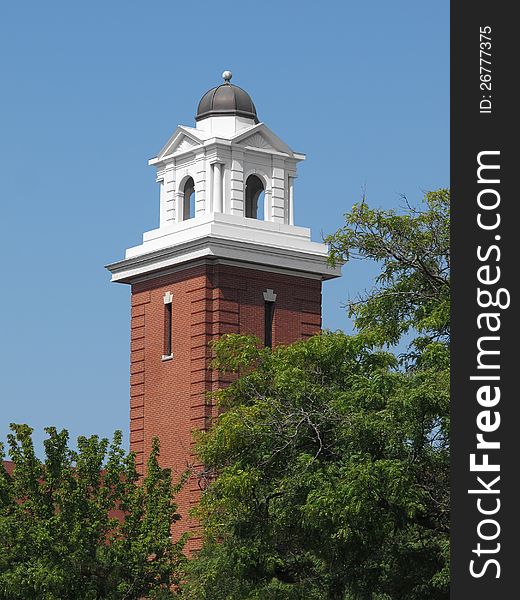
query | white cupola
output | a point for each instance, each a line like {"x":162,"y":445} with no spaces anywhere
{"x":226,"y":191}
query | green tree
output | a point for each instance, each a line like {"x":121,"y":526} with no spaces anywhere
{"x":412,"y":290}
{"x":332,"y":454}
{"x":83,"y":524}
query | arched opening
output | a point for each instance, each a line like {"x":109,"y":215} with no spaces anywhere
{"x":188,"y":211}
{"x":254,"y":197}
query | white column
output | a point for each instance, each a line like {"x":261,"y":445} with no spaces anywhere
{"x":217,"y":187}
{"x":278,"y":191}
{"x":267,"y":206}
{"x":291,"y":200}
{"x":201,"y":195}
{"x":162,"y":203}
{"x":236,"y":183}
{"x":179,"y":207}
{"x":168,"y":194}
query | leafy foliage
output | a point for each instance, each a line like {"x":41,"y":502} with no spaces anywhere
{"x":412,"y":290}
{"x":332,"y":455}
{"x":82,"y":525}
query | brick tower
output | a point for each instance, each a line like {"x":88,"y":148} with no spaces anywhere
{"x":226,"y":258}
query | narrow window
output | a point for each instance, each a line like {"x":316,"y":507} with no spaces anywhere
{"x":188,"y":209}
{"x":167,"y":329}
{"x":269,"y":315}
{"x":254,"y":197}
{"x":269,"y":303}
{"x":167,"y":346}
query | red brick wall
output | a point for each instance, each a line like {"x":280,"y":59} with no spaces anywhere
{"x":167,"y":398}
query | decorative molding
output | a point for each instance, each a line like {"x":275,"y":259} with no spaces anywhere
{"x":310,"y":264}
{"x":186,"y":144}
{"x":269,"y":295}
{"x":256,"y":141}
{"x":168,"y":298}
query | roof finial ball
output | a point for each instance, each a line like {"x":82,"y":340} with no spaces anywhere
{"x":227,"y":76}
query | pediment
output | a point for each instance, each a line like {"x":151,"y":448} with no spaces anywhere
{"x":261,"y":137}
{"x":184,"y":144}
{"x":257,"y":140}
{"x":181,"y":141}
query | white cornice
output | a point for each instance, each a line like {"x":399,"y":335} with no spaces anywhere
{"x":238,"y":252}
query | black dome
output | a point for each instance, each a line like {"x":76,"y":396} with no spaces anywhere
{"x":226,"y":99}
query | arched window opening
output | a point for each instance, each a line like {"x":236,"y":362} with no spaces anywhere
{"x":189,"y":199}
{"x":254,"y":197}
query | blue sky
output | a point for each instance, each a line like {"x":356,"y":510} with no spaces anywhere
{"x":89,"y":91}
